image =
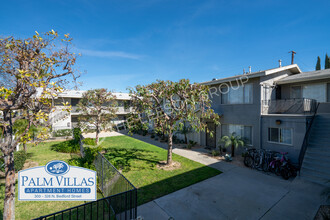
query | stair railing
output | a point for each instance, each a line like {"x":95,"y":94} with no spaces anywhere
{"x":306,"y":139}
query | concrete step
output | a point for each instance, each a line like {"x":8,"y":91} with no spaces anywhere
{"x":318,"y":143}
{"x":324,"y":153}
{"x":310,"y":177}
{"x":323,"y":134}
{"x":317,"y":163}
{"x":321,"y":128}
{"x":319,"y":139}
{"x":314,"y":172}
{"x":318,"y":156}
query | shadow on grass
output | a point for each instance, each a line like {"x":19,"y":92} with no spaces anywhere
{"x":123,"y":158}
{"x":155,"y":190}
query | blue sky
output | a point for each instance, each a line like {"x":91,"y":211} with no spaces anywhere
{"x":125,"y":43}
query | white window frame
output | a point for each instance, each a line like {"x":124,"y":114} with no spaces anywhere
{"x":241,"y":103}
{"x":279,"y":136}
{"x":251,"y":144}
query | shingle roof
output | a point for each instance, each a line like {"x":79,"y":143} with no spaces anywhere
{"x":305,"y":76}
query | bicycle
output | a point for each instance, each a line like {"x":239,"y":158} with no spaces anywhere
{"x":248,"y":158}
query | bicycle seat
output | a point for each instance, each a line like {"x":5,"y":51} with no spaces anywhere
{"x":284,"y":153}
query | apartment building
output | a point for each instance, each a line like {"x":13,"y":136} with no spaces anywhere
{"x":66,"y":120}
{"x":281,"y":109}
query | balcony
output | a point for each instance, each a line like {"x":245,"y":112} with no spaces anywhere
{"x":289,"y":106}
{"x":120,"y":110}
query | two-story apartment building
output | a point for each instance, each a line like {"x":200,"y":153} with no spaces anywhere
{"x":269,"y":109}
{"x":273,"y":109}
{"x":66,"y":120}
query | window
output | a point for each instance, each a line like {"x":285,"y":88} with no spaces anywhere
{"x":296,"y":92}
{"x":280,"y":135}
{"x":315,"y":91}
{"x":237,"y":95}
{"x":241,"y":130}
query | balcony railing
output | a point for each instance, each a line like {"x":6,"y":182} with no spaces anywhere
{"x":289,"y":106}
{"x":120,"y":110}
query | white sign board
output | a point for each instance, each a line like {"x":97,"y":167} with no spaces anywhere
{"x":57,"y":181}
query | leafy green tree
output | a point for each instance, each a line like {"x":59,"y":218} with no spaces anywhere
{"x":318,"y":64}
{"x":98,"y":108}
{"x":326,"y":62}
{"x":233,"y":140}
{"x":169,"y":104}
{"x":35,"y":70}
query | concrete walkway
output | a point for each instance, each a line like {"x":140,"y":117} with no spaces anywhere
{"x":102,"y":134}
{"x":237,"y":193}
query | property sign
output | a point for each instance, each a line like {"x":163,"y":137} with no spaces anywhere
{"x":57,"y":181}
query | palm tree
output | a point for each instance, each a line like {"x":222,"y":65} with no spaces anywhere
{"x":234,"y":141}
{"x":184,"y":131}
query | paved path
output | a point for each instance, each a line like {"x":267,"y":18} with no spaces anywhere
{"x":237,"y":193}
{"x":102,"y":134}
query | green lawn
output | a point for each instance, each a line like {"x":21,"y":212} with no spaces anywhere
{"x":138,"y":161}
{"x":135,"y":158}
{"x":41,"y":154}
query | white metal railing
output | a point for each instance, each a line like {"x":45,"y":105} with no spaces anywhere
{"x":120,"y":110}
{"x":58,"y":116}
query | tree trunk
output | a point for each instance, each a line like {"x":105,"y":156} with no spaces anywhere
{"x":185,"y":139}
{"x":97,"y":135}
{"x":232,"y":150}
{"x":169,"y":151}
{"x":9,"y":203}
{"x":24,"y":147}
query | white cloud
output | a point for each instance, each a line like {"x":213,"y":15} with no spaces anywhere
{"x":109,"y":54}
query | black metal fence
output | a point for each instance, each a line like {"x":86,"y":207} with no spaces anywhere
{"x":119,"y":202}
{"x":289,"y":106}
{"x":111,"y":181}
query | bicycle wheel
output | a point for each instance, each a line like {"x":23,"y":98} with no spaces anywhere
{"x":285,"y":173}
{"x":256,"y":161}
{"x":248,"y":161}
{"x":293,"y":171}
{"x":265,"y":166}
{"x":277,"y":169}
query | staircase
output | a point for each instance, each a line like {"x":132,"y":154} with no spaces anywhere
{"x":316,"y":163}
{"x":59,"y":116}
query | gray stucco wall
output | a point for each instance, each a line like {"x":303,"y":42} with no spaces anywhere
{"x":241,"y":114}
{"x":297,"y":123}
{"x":324,"y":108}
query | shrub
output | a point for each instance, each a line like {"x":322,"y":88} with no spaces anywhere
{"x":19,"y":159}
{"x":62,"y":133}
{"x":89,"y":141}
{"x":152,"y":136}
{"x":215,"y":153}
{"x":88,"y":160}
{"x":191,"y":144}
{"x":76,"y":134}
{"x":70,"y":146}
